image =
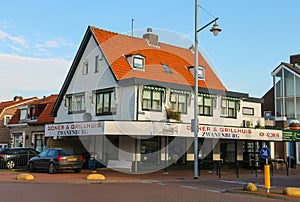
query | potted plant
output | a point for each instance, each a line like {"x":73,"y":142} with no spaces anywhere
{"x":171,"y":114}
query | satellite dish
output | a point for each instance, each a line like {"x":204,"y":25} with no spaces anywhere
{"x":87,"y":116}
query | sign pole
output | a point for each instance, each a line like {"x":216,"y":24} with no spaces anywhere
{"x":265,"y":153}
{"x":267,"y":178}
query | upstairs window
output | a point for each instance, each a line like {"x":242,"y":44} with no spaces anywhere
{"x":152,"y":98}
{"x":201,"y":72}
{"x":136,"y":61}
{"x":205,"y":104}
{"x":24,"y":113}
{"x":6,"y":119}
{"x":85,"y":68}
{"x":106,"y":102}
{"x":76,"y":103}
{"x":97,"y":63}
{"x":248,"y":111}
{"x":178,"y":101}
{"x":229,"y":107}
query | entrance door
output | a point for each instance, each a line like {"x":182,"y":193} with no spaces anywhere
{"x":150,"y":150}
{"x":228,"y":151}
{"x":39,"y":142}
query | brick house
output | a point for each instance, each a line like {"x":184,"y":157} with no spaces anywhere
{"x":7,"y":109}
{"x":27,"y":125}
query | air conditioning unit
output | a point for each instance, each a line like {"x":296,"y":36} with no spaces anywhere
{"x":247,"y":124}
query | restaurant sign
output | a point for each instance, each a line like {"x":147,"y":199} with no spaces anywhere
{"x":291,"y":136}
{"x":73,"y":129}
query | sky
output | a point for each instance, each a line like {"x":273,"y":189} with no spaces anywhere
{"x":39,"y":39}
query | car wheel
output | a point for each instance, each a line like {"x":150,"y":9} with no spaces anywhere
{"x":10,"y":164}
{"x":77,"y":170}
{"x":31,"y":167}
{"x":52,"y":169}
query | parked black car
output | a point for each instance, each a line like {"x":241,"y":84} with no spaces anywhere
{"x":13,"y":157}
{"x":54,"y":160}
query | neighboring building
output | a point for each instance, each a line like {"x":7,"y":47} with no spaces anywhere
{"x":27,"y":125}
{"x":7,"y":109}
{"x":128,"y":98}
{"x":282,"y":104}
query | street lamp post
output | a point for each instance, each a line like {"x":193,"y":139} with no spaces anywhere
{"x":215,"y":30}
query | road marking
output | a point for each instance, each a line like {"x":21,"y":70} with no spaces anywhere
{"x":189,"y":187}
{"x":214,"y":191}
{"x":242,"y":183}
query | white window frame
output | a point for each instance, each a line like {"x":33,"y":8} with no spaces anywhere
{"x":201,"y":72}
{"x":6,"y":119}
{"x":175,"y":102}
{"x":138,"y":65}
{"x":132,"y":60}
{"x":24,"y":113}
{"x":248,"y":111}
{"x":85,"y":68}
{"x":76,"y":103}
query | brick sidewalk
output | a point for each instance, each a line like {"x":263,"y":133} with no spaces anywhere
{"x":175,"y":175}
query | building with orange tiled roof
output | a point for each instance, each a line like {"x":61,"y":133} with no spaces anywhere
{"x":7,"y":109}
{"x":130,"y":99}
{"x":27,"y":125}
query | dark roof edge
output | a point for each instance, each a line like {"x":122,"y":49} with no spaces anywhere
{"x":253,"y":99}
{"x":71,"y":72}
{"x":138,"y":81}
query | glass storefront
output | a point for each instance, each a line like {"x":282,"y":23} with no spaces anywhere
{"x":150,"y":150}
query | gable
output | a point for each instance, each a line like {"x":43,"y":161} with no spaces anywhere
{"x":115,"y":47}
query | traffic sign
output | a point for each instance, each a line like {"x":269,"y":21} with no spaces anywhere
{"x":265,"y":152}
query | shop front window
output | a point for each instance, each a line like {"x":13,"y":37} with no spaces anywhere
{"x":176,"y":150}
{"x":150,"y":150}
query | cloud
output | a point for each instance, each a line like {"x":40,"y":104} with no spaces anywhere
{"x":27,"y":74}
{"x":15,"y":39}
{"x":35,"y":46}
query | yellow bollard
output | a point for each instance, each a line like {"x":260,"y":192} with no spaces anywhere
{"x":267,"y":178}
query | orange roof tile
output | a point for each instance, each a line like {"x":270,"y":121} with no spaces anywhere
{"x":44,"y":117}
{"x":8,"y":104}
{"x":115,"y":46}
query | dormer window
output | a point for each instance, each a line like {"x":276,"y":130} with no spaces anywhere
{"x":23,"y":113}
{"x":201,"y":72}
{"x":136,"y":61}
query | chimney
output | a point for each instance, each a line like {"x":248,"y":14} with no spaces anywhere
{"x":295,"y":59}
{"x":152,"y":39}
{"x":18,"y":98}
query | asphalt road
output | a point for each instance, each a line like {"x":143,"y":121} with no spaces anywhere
{"x":126,"y":192}
{"x":174,"y":186}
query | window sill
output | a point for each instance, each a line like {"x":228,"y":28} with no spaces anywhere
{"x":77,"y":112}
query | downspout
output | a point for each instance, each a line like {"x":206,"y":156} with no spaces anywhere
{"x":137,"y":103}
{"x":137,"y":118}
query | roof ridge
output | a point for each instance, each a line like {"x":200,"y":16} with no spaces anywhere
{"x":140,"y":38}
